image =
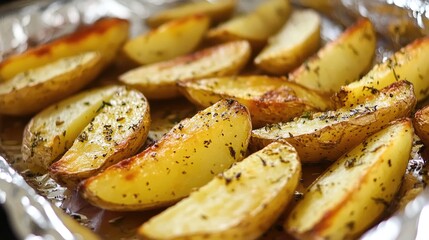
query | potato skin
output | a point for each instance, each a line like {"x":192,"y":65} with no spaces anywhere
{"x":421,"y":124}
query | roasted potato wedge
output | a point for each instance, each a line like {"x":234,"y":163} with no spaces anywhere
{"x":187,"y":157}
{"x":328,"y":135}
{"x":105,"y":36}
{"x":51,"y":132}
{"x":269,"y":99}
{"x":339,"y":62}
{"x":409,"y":63}
{"x":298,"y":39}
{"x":117,"y":132}
{"x":240,"y":203}
{"x":421,"y":124}
{"x":170,"y":40}
{"x":35,"y":89}
{"x":158,"y":81}
{"x":356,"y":189}
{"x":218,"y":11}
{"x":255,"y":27}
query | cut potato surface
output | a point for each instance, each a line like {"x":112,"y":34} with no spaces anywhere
{"x":217,"y":11}
{"x":269,"y":99}
{"x":187,"y":157}
{"x":35,"y":89}
{"x":51,"y":132}
{"x":170,"y":40}
{"x":356,"y":189}
{"x":339,"y":62}
{"x":158,"y":81}
{"x":240,"y":203}
{"x":410,"y":63}
{"x":256,"y":26}
{"x":117,"y":132}
{"x":105,"y":36}
{"x":328,"y":135}
{"x":296,"y":41}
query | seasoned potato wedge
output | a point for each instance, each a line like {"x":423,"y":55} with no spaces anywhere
{"x":35,"y":89}
{"x":187,"y":157}
{"x":240,"y":203}
{"x":218,"y":11}
{"x":341,"y":61}
{"x":421,"y":124}
{"x":356,"y":189}
{"x":170,"y":40}
{"x":409,"y":63}
{"x":158,"y":81}
{"x":255,"y":27}
{"x":51,"y":132}
{"x":328,"y":135}
{"x":296,"y":41}
{"x":117,"y":132}
{"x":269,"y":99}
{"x":105,"y":36}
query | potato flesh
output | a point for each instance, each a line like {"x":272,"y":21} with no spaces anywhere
{"x":117,"y":132}
{"x":355,"y":190}
{"x":269,"y":99}
{"x":51,"y":132}
{"x":104,"y":36}
{"x":339,"y":62}
{"x":331,"y":134}
{"x":241,"y":203}
{"x":297,"y":40}
{"x":158,"y":81}
{"x":189,"y":156}
{"x":409,"y":63}
{"x":168,"y":41}
{"x":217,"y":11}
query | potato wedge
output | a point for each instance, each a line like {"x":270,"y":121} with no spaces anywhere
{"x":240,"y":203}
{"x":51,"y":132}
{"x":218,"y":11}
{"x":170,"y":40}
{"x":409,"y":63}
{"x":255,"y":27}
{"x":421,"y":124}
{"x":328,"y":135}
{"x":35,"y":89}
{"x":339,"y":62}
{"x":269,"y":99}
{"x":298,"y":39}
{"x":158,"y":81}
{"x":187,"y":157}
{"x":105,"y":36}
{"x":355,"y":190}
{"x":117,"y":132}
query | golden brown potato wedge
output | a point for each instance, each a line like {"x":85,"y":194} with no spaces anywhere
{"x":269,"y":99}
{"x":187,"y":157}
{"x":298,"y":39}
{"x":356,"y":189}
{"x":170,"y":40}
{"x":35,"y":89}
{"x":255,"y":27}
{"x":218,"y":11}
{"x":105,"y":36}
{"x":240,"y":203}
{"x":339,"y":62}
{"x":421,"y":124}
{"x":158,"y":81}
{"x":117,"y":132}
{"x":410,"y":63}
{"x":328,"y":135}
{"x":51,"y":132}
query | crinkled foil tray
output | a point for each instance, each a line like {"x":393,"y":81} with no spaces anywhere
{"x":30,"y":200}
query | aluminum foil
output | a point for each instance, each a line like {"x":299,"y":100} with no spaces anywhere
{"x":27,"y":23}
